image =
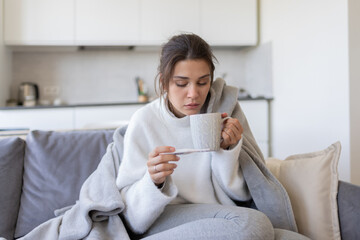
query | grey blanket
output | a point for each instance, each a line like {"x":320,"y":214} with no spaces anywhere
{"x":96,"y":214}
{"x":269,"y":195}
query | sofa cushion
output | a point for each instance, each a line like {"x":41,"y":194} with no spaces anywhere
{"x":11,"y":169}
{"x":55,"y":166}
{"x":349,"y":210}
{"x":311,"y":180}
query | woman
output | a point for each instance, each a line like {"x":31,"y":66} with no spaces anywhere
{"x":188,"y":196}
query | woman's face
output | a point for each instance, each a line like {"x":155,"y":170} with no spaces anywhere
{"x":189,"y":86}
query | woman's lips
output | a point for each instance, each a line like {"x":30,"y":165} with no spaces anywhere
{"x":192,"y":106}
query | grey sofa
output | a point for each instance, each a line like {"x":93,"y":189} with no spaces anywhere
{"x":45,"y":172}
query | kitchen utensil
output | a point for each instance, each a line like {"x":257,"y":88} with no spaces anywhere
{"x":28,"y":94}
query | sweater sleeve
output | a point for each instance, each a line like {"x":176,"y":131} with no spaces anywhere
{"x":144,"y":201}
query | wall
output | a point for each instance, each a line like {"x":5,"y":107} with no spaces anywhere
{"x":99,"y":76}
{"x":84,"y":76}
{"x":354,"y":54}
{"x":4,"y":64}
{"x":258,"y":66}
{"x":310,"y":75}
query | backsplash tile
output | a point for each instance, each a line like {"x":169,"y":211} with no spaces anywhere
{"x":104,"y":76}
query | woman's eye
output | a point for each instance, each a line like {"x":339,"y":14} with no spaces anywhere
{"x":181,"y":84}
{"x":202,"y":83}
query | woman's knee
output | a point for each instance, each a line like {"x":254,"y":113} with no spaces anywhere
{"x":262,"y":227}
{"x":250,"y":223}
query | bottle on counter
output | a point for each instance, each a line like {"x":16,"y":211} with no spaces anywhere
{"x":142,"y":90}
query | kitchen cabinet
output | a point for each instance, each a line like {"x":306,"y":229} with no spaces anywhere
{"x":62,"y":118}
{"x":161,"y":19}
{"x":104,"y":116}
{"x":229,"y":22}
{"x":257,"y":113}
{"x":258,"y":116}
{"x":128,"y":22}
{"x":39,"y":22}
{"x":42,"y":119}
{"x":225,"y":22}
{"x":107,"y":22}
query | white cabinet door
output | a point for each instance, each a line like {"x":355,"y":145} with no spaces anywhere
{"x":229,"y":22}
{"x":39,"y":22}
{"x":257,"y":114}
{"x":128,"y":22}
{"x":160,"y":19}
{"x":68,"y":118}
{"x":104,"y":116}
{"x":40,"y":119}
{"x":107,"y":22}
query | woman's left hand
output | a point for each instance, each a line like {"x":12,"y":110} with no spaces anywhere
{"x":231,"y":132}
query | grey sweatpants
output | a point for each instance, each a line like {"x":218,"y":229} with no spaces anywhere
{"x":212,"y":221}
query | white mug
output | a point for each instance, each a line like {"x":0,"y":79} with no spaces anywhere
{"x":206,"y":130}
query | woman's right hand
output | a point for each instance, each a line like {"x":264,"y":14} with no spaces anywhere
{"x":159,"y":166}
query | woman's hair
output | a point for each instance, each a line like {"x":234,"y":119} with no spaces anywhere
{"x":178,"y":48}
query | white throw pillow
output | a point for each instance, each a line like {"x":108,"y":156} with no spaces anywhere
{"x":311,"y":180}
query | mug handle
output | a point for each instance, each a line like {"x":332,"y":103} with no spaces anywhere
{"x":222,"y":122}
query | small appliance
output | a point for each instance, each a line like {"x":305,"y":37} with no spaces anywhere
{"x":28,"y":94}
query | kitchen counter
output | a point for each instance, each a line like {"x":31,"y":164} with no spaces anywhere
{"x":74,"y":105}
{"x":255,"y":99}
{"x":112,"y":115}
{"x":110,"y":104}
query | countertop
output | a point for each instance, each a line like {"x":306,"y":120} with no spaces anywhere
{"x":74,"y":105}
{"x":110,"y":104}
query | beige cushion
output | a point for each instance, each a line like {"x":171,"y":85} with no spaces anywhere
{"x":311,"y":180}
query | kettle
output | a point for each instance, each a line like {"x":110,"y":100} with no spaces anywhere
{"x":28,"y":94}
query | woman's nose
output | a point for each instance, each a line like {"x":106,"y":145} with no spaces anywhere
{"x":193,"y":91}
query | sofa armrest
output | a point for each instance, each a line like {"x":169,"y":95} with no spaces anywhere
{"x":349,"y":210}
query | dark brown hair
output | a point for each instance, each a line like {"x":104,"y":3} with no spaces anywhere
{"x":178,"y":48}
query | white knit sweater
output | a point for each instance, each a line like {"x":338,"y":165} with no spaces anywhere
{"x":199,"y":177}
